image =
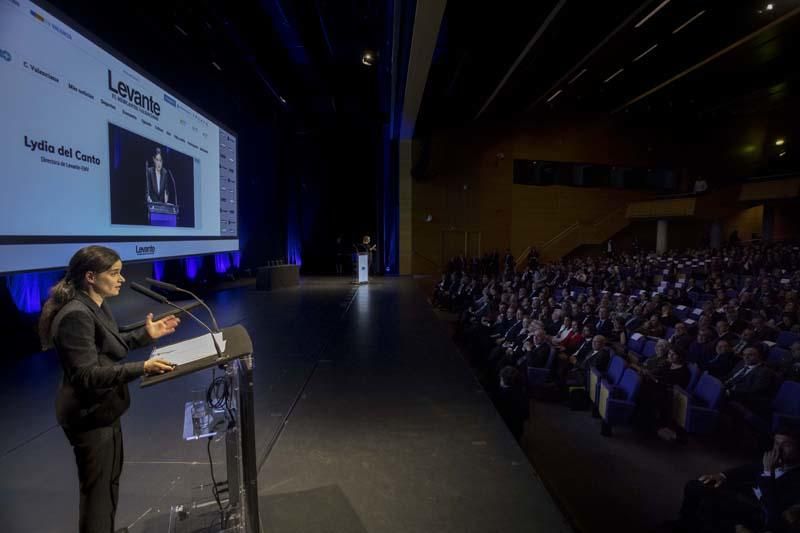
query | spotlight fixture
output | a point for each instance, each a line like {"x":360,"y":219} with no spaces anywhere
{"x":780,"y":142}
{"x":368,"y":58}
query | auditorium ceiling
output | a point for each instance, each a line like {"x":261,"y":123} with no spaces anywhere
{"x":644,"y":61}
{"x":301,"y":56}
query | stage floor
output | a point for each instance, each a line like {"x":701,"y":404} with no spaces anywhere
{"x":390,"y":431}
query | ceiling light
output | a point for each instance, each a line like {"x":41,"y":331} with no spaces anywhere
{"x":617,"y":73}
{"x":653,"y":12}
{"x":637,"y":58}
{"x":781,"y":154}
{"x":780,"y":142}
{"x":282,"y":99}
{"x":770,"y":7}
{"x":581,"y":73}
{"x":679,"y":28}
{"x":181,"y":30}
{"x":216,"y":66}
{"x":554,"y":95}
{"x":368,"y":58}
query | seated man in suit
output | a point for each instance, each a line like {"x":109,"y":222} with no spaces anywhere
{"x":681,"y":339}
{"x":702,"y":347}
{"x":598,"y":357}
{"x":751,"y":382}
{"x":566,"y":356}
{"x":724,"y":332}
{"x":604,"y":324}
{"x":753,"y":495}
{"x":746,"y":339}
{"x":762,"y":331}
{"x":652,"y":328}
{"x":539,"y":351}
{"x":721,"y":362}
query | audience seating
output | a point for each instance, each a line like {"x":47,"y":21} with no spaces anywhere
{"x":787,"y":338}
{"x":636,"y":343}
{"x":616,"y":403}
{"x":777,"y":354}
{"x":540,"y":376}
{"x":786,"y":405}
{"x":698,"y":411}
{"x":694,"y":373}
{"x":649,"y":349}
{"x":615,"y":370}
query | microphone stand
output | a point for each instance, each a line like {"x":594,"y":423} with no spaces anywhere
{"x":162,"y":299}
{"x":171,"y":287}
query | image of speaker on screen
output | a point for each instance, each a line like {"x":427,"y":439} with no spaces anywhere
{"x":151,"y":183}
{"x":162,"y":194}
{"x":160,"y":181}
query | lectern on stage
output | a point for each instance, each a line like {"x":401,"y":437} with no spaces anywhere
{"x":363,"y":267}
{"x":162,"y":214}
{"x":234,"y":505}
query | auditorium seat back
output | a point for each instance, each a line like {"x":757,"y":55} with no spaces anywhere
{"x":786,"y":339}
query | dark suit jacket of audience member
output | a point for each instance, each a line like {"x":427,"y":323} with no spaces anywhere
{"x":737,"y":326}
{"x":681,"y":343}
{"x":765,"y":334}
{"x":755,"y":389}
{"x":513,"y":330}
{"x":777,"y":494}
{"x":604,"y":327}
{"x":700,"y":351}
{"x":729,"y":336}
{"x":718,"y":365}
{"x":668,"y":321}
{"x":537,"y":357}
{"x":598,"y":360}
{"x":552,"y":327}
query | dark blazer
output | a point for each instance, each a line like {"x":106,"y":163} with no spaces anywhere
{"x":598,"y":360}
{"x":167,"y":186}
{"x":537,"y":357}
{"x":93,"y":391}
{"x":604,"y":327}
{"x":754,"y":390}
{"x":777,"y":495}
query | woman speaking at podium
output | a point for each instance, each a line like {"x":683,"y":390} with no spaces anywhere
{"x":93,"y":392}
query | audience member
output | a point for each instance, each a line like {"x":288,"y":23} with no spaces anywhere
{"x":754,"y":495}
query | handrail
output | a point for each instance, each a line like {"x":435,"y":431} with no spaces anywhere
{"x":521,"y":258}
{"x":566,"y":230}
{"x":428,"y":259}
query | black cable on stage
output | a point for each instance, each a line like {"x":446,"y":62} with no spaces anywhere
{"x":214,"y":490}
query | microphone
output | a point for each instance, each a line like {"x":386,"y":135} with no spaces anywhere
{"x":171,"y":287}
{"x":162,"y":299}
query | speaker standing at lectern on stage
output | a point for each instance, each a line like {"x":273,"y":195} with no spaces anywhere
{"x":93,"y":392}
{"x":366,"y":247}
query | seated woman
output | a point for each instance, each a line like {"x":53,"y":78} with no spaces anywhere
{"x":655,"y":395}
{"x":618,"y":339}
{"x":568,"y":336}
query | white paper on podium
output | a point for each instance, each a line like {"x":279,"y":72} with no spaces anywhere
{"x":184,"y":352}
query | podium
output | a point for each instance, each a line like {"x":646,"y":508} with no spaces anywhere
{"x":362,"y":267}
{"x":163,"y":214}
{"x":236,"y":420}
